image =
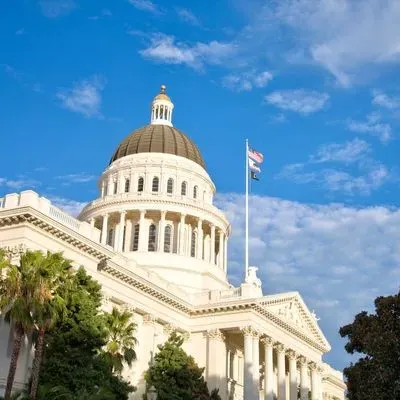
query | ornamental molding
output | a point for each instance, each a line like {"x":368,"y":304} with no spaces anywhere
{"x":149,"y":319}
{"x":291,"y":354}
{"x":14,"y":252}
{"x":302,"y":361}
{"x":215,"y":334}
{"x":267,"y":341}
{"x":279,"y":347}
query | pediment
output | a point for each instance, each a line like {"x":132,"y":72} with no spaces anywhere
{"x":290,"y":310}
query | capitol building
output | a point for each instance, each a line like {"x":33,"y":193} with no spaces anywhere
{"x":158,"y":245}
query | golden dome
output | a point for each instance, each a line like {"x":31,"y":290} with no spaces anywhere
{"x":158,"y":139}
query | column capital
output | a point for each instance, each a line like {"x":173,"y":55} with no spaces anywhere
{"x":215,"y":334}
{"x":313,"y":366}
{"x":302,"y":360}
{"x":123,"y":212}
{"x":163,"y":214}
{"x":279,"y":347}
{"x":267,"y":341}
{"x":291,"y":354}
{"x":247,"y":330}
{"x":149,"y":319}
{"x":320,"y":369}
{"x":169,"y":328}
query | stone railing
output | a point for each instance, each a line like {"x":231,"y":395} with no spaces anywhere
{"x":29,"y":198}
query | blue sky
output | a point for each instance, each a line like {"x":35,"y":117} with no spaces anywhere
{"x":313,"y":85}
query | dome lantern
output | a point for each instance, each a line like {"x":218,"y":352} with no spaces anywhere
{"x":161,"y":108}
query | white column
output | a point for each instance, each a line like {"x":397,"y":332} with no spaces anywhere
{"x":303,"y":378}
{"x":256,"y":364}
{"x":221,"y":249}
{"x":292,"y":375}
{"x":280,"y":350}
{"x":226,"y":253}
{"x":92,"y":221}
{"x":142,"y":231}
{"x":320,"y":373}
{"x":161,"y":228}
{"x":102,"y":189}
{"x":200,"y":239}
{"x":216,"y":368}
{"x":104,"y":229}
{"x":128,"y":236}
{"x":269,"y":368}
{"x":248,"y":363}
{"x":314,"y":382}
{"x":182,"y":234}
{"x":212,"y":245}
{"x":121,"y":230}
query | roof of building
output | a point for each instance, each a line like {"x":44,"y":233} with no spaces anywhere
{"x":158,"y":139}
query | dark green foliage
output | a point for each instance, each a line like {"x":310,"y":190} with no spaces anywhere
{"x":73,"y":361}
{"x":175,"y":375}
{"x":376,"y":375}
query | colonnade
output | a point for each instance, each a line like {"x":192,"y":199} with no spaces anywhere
{"x":211,"y":241}
{"x":290,"y":376}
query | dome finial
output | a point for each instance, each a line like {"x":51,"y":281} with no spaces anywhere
{"x":161,"y":108}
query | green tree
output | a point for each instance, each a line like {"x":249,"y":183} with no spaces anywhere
{"x":73,"y":356}
{"x":54,"y":270}
{"x":376,"y":375}
{"x":120,"y":338}
{"x":175,"y":375}
{"x":20,"y":294}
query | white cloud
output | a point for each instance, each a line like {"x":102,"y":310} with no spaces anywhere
{"x":339,"y":258}
{"x":56,"y":8}
{"x":166,"y":49}
{"x":345,"y":37}
{"x":372,"y":126}
{"x":348,"y":152}
{"x":84,"y":97}
{"x":145,"y":5}
{"x":300,"y":100}
{"x":19,"y":183}
{"x":187,"y":16}
{"x":366,"y":176}
{"x":382,"y":99}
{"x":81,"y":177}
{"x":71,"y":207}
{"x":20,"y":32}
{"x":246,"y":81}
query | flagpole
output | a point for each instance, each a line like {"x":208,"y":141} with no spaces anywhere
{"x":247,"y":212}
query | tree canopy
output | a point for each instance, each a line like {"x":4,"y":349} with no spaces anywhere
{"x":175,"y":375}
{"x":376,"y":375}
{"x":74,"y":358}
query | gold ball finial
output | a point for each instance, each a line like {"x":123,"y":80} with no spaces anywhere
{"x":163,"y":89}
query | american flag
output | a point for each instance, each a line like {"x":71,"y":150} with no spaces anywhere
{"x":256,"y":156}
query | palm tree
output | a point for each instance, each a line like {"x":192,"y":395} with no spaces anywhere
{"x":120,"y":339}
{"x":53,"y":270}
{"x":17,"y":297}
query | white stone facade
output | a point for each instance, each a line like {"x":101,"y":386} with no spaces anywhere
{"x":161,"y":251}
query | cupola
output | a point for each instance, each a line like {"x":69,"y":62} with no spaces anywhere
{"x":161,"y":109}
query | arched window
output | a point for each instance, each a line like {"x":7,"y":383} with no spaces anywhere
{"x":115,"y":187}
{"x":193,"y":245}
{"x":195,"y":192}
{"x":135,"y":244}
{"x":127,"y":185}
{"x":167,"y":239}
{"x":152,"y":238}
{"x":183,"y":188}
{"x":157,"y":112}
{"x":140,"y":184}
{"x":154,"y":186}
{"x":170,"y":186}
